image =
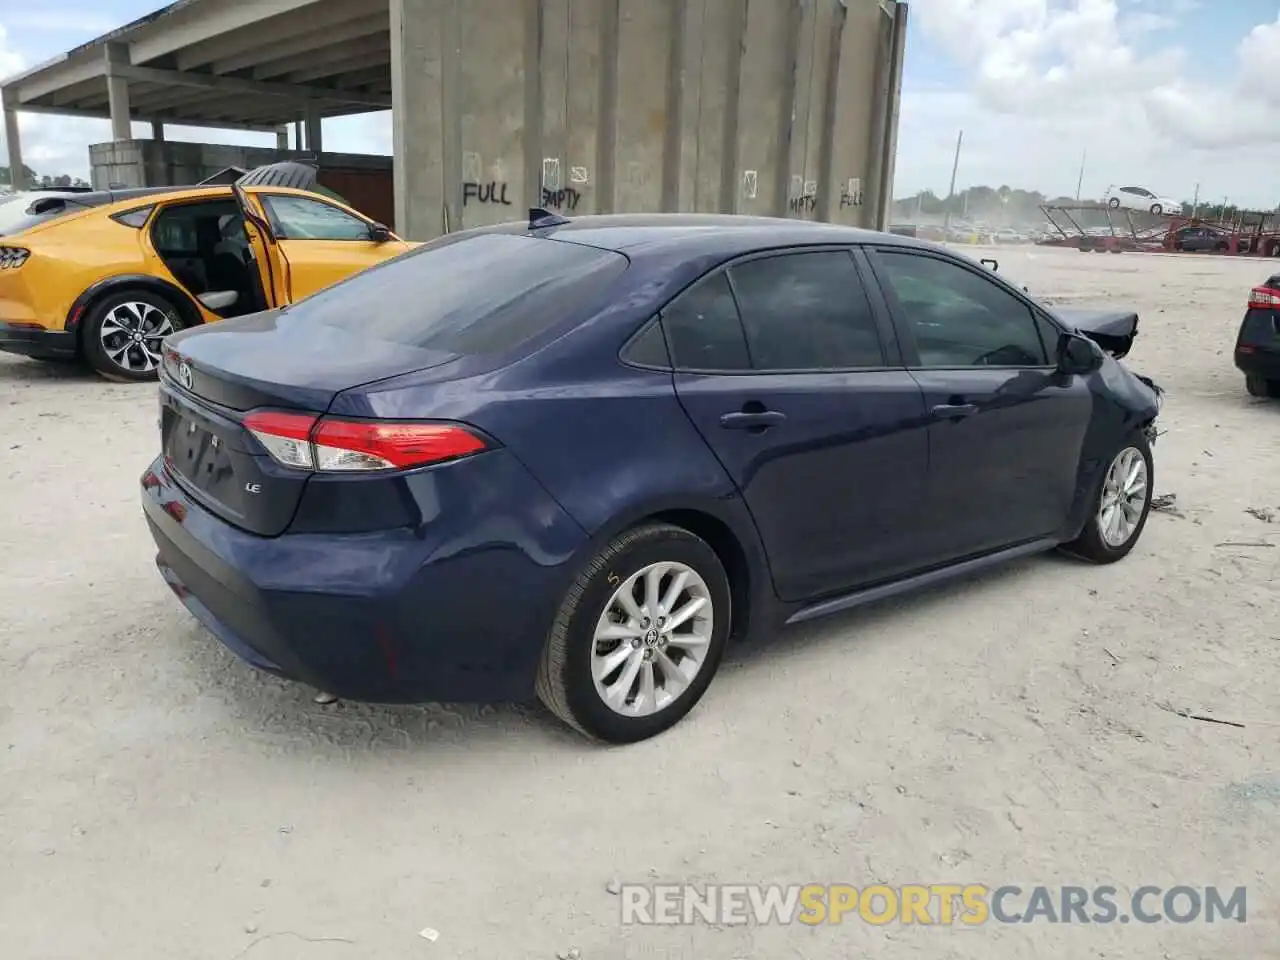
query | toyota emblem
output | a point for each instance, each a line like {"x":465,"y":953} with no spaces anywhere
{"x":184,"y":374}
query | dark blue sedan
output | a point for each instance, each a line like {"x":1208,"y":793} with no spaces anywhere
{"x":578,"y":457}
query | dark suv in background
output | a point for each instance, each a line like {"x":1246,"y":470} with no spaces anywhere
{"x":1258,"y":344}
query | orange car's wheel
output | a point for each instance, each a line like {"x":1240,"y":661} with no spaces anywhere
{"x":124,"y":332}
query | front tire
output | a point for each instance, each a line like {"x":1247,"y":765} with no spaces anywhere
{"x":124,"y":333}
{"x":1120,"y":505}
{"x":1262,"y":387}
{"x":1114,"y":203}
{"x":639,"y":635}
{"x":1157,"y":209}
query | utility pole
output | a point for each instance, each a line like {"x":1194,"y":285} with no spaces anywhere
{"x":1195,"y":203}
{"x":951,"y":191}
{"x":1080,"y":181}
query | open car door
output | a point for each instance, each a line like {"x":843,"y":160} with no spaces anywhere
{"x":314,"y":239}
{"x":272,"y":267}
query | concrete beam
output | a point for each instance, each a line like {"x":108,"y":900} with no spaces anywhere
{"x":338,"y":67}
{"x":379,"y":43}
{"x":249,"y":87}
{"x":77,"y":93}
{"x":57,"y":77}
{"x":260,"y":40}
{"x":370,"y":76}
{"x":201,"y":22}
{"x":115,"y":56}
{"x":148,"y":118}
{"x":314,"y":38}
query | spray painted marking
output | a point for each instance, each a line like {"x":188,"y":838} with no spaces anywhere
{"x":750,"y":184}
{"x":551,"y":173}
{"x":578,"y":175}
{"x":471,"y":166}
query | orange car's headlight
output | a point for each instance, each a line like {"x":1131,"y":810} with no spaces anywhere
{"x":13,"y":257}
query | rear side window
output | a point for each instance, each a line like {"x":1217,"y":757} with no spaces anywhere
{"x":703,"y":329}
{"x":806,"y":311}
{"x":488,"y":293}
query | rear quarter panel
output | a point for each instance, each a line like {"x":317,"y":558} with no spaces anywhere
{"x":67,"y":257}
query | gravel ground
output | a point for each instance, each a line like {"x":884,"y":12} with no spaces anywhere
{"x":159,"y":799}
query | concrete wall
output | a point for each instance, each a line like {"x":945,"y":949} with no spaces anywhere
{"x":363,"y":180}
{"x":771,"y":107}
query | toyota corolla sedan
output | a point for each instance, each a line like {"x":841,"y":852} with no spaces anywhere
{"x":578,"y":457}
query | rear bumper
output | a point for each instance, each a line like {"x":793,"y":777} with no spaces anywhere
{"x":457,"y":610}
{"x":1258,"y":362}
{"x":37,"y":342}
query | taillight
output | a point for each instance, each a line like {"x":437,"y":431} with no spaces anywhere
{"x":330,"y":445}
{"x":1264,"y":298}
{"x":13,"y":257}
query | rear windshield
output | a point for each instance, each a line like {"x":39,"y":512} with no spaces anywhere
{"x":15,"y":215}
{"x":486,"y":293}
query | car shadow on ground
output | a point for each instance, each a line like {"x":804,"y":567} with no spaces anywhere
{"x":261,"y":704}
{"x":18,"y":370}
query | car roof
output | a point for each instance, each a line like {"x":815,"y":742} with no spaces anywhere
{"x":703,"y":233}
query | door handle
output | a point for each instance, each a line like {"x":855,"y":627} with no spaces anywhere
{"x":755,"y":420}
{"x":954,"y":411}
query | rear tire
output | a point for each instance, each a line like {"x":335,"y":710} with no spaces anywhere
{"x":1120,"y":505}
{"x":1262,"y":387}
{"x":123,"y":335}
{"x":608,"y":669}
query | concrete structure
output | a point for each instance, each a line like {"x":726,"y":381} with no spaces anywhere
{"x":781,"y":107}
{"x":362,"y":180}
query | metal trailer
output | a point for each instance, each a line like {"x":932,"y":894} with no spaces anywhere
{"x":1248,"y":233}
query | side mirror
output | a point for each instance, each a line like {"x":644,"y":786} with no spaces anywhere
{"x":1077,"y":354}
{"x":380,"y":233}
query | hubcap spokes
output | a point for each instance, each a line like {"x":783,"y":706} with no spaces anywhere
{"x":652,"y":639}
{"x":1124,"y":495}
{"x":131,"y":335}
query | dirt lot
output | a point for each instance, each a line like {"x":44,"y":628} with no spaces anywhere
{"x":159,"y":799}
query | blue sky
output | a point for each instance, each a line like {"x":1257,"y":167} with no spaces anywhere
{"x":1033,"y":83}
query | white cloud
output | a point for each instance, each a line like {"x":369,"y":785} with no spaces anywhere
{"x":1045,"y":80}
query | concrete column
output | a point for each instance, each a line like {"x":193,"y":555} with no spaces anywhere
{"x":423,"y":208}
{"x":13,"y":143}
{"x":157,"y":131}
{"x":282,"y":137}
{"x":297,"y":135}
{"x":118,"y":92}
{"x":314,"y":140}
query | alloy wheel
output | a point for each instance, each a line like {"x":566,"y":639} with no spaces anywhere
{"x":1124,"y":496}
{"x":652,"y":639}
{"x":131,"y":334}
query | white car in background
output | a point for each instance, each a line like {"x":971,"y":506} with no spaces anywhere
{"x":1140,"y":198}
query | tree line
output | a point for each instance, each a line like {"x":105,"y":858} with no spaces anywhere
{"x":33,"y":180}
